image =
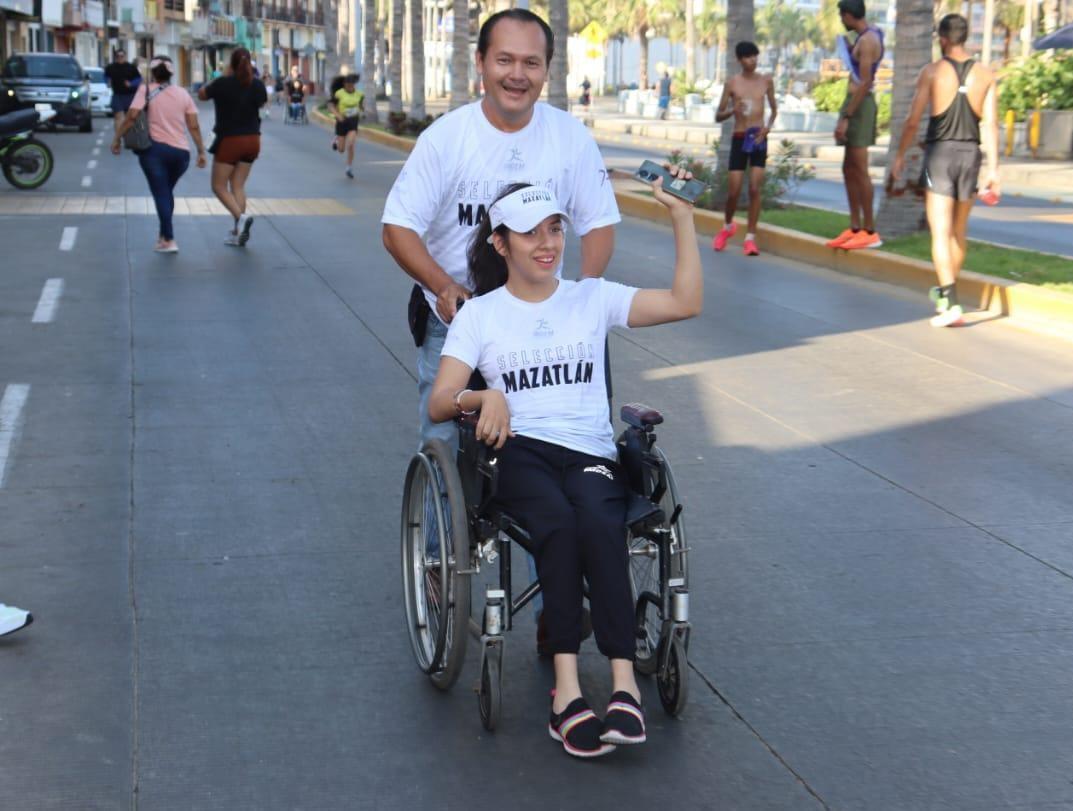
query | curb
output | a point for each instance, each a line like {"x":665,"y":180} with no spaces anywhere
{"x":1036,"y":305}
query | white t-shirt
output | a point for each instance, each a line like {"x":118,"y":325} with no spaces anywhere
{"x":461,"y":163}
{"x":547,"y":358}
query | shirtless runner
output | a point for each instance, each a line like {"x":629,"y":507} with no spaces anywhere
{"x":857,"y":125}
{"x":743,"y":98}
{"x":959,"y":94}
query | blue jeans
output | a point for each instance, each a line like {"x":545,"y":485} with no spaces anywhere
{"x":428,"y":364}
{"x":163,"y":165}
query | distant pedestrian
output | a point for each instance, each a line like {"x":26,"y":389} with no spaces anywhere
{"x":170,"y":113}
{"x":664,"y":91}
{"x":586,"y":96}
{"x":743,"y":99}
{"x":857,"y":126}
{"x":270,"y":84}
{"x":346,"y":104}
{"x":12,"y":619}
{"x":958,"y":94}
{"x":238,"y":98}
{"x":296,"y":93}
{"x":123,"y":78}
{"x":281,"y":90}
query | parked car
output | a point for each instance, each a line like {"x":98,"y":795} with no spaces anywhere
{"x":32,"y":80}
{"x":100,"y":94}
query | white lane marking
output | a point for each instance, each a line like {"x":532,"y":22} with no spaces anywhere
{"x":70,"y":234}
{"x":49,"y":301}
{"x":87,"y":181}
{"x":91,"y":165}
{"x":97,"y":149}
{"x":11,"y":422}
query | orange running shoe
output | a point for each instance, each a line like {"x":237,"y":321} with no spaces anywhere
{"x":750,"y":248}
{"x":724,"y":236}
{"x":841,"y":239}
{"x":862,"y":239}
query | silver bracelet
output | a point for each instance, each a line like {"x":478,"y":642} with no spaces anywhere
{"x":458,"y":403}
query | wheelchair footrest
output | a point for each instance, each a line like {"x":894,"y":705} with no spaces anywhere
{"x":641,"y":513}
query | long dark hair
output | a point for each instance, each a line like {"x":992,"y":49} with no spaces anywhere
{"x":487,"y":269}
{"x":242,"y":67}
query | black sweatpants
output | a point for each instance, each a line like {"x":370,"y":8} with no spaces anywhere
{"x":574,"y":508}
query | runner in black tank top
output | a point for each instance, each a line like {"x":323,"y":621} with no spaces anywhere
{"x":952,"y":157}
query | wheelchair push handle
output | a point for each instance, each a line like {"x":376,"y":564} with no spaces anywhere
{"x":641,"y":416}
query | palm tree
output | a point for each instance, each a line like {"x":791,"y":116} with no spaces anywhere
{"x":559,"y":13}
{"x":368,"y":67}
{"x":782,"y":26}
{"x":398,"y":17}
{"x":912,"y":51}
{"x":460,"y":54}
{"x":417,"y":59}
{"x":691,"y":44}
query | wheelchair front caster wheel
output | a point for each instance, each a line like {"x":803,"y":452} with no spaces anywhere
{"x":490,"y":691}
{"x":672,"y":677}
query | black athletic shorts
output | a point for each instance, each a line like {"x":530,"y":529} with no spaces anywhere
{"x":349,"y":124}
{"x":740,"y":159}
{"x":952,"y":168}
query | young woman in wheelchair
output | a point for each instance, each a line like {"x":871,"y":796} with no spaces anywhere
{"x":538,"y":340}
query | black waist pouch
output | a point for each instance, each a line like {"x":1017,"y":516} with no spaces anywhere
{"x":418,"y":312}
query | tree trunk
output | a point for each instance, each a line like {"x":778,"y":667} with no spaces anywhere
{"x":560,"y":29}
{"x":912,"y":51}
{"x":368,"y":67}
{"x":643,"y":35}
{"x":398,"y":19}
{"x":1050,"y":16}
{"x":460,"y":55}
{"x":691,"y":44}
{"x":417,"y":60}
{"x":740,"y":28}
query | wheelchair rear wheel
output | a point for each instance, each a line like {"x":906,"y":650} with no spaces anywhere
{"x":672,"y":678}
{"x":435,"y":547}
{"x":645,"y":572}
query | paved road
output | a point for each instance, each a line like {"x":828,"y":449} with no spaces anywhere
{"x":1026,"y":218}
{"x":201,"y":502}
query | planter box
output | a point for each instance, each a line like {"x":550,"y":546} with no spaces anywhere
{"x":1056,"y":134}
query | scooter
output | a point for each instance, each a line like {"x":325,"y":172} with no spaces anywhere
{"x":26,"y":162}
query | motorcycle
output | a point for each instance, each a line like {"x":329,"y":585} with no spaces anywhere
{"x":26,"y":162}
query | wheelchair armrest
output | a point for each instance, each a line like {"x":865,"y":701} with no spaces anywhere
{"x":640,"y":416}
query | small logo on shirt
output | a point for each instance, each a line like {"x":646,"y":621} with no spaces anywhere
{"x":602,"y":470}
{"x":543,"y":329}
{"x":515,"y":162}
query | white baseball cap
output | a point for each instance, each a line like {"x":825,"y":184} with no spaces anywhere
{"x":524,"y":209}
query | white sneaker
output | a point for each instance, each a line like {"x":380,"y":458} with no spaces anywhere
{"x":245,"y":222}
{"x":951,"y":317}
{"x":231,"y":238}
{"x":12,"y":619}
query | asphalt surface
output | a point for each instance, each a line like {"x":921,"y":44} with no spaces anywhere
{"x":1026,"y":218}
{"x":201,"y":496}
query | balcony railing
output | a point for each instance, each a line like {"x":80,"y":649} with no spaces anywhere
{"x":272,"y":11}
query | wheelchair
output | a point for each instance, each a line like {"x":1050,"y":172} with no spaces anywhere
{"x":296,"y":113}
{"x":451,"y":526}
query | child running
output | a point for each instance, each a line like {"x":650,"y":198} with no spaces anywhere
{"x":346,"y":104}
{"x":538,"y":341}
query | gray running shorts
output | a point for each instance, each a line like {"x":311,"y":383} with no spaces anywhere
{"x":952,"y":168}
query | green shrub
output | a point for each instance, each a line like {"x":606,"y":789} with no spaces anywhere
{"x":830,"y":95}
{"x":785,"y":173}
{"x":1039,"y":82}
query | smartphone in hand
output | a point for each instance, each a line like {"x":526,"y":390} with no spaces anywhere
{"x":688,"y":190}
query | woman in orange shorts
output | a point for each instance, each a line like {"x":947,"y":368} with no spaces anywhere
{"x":238,"y":97}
